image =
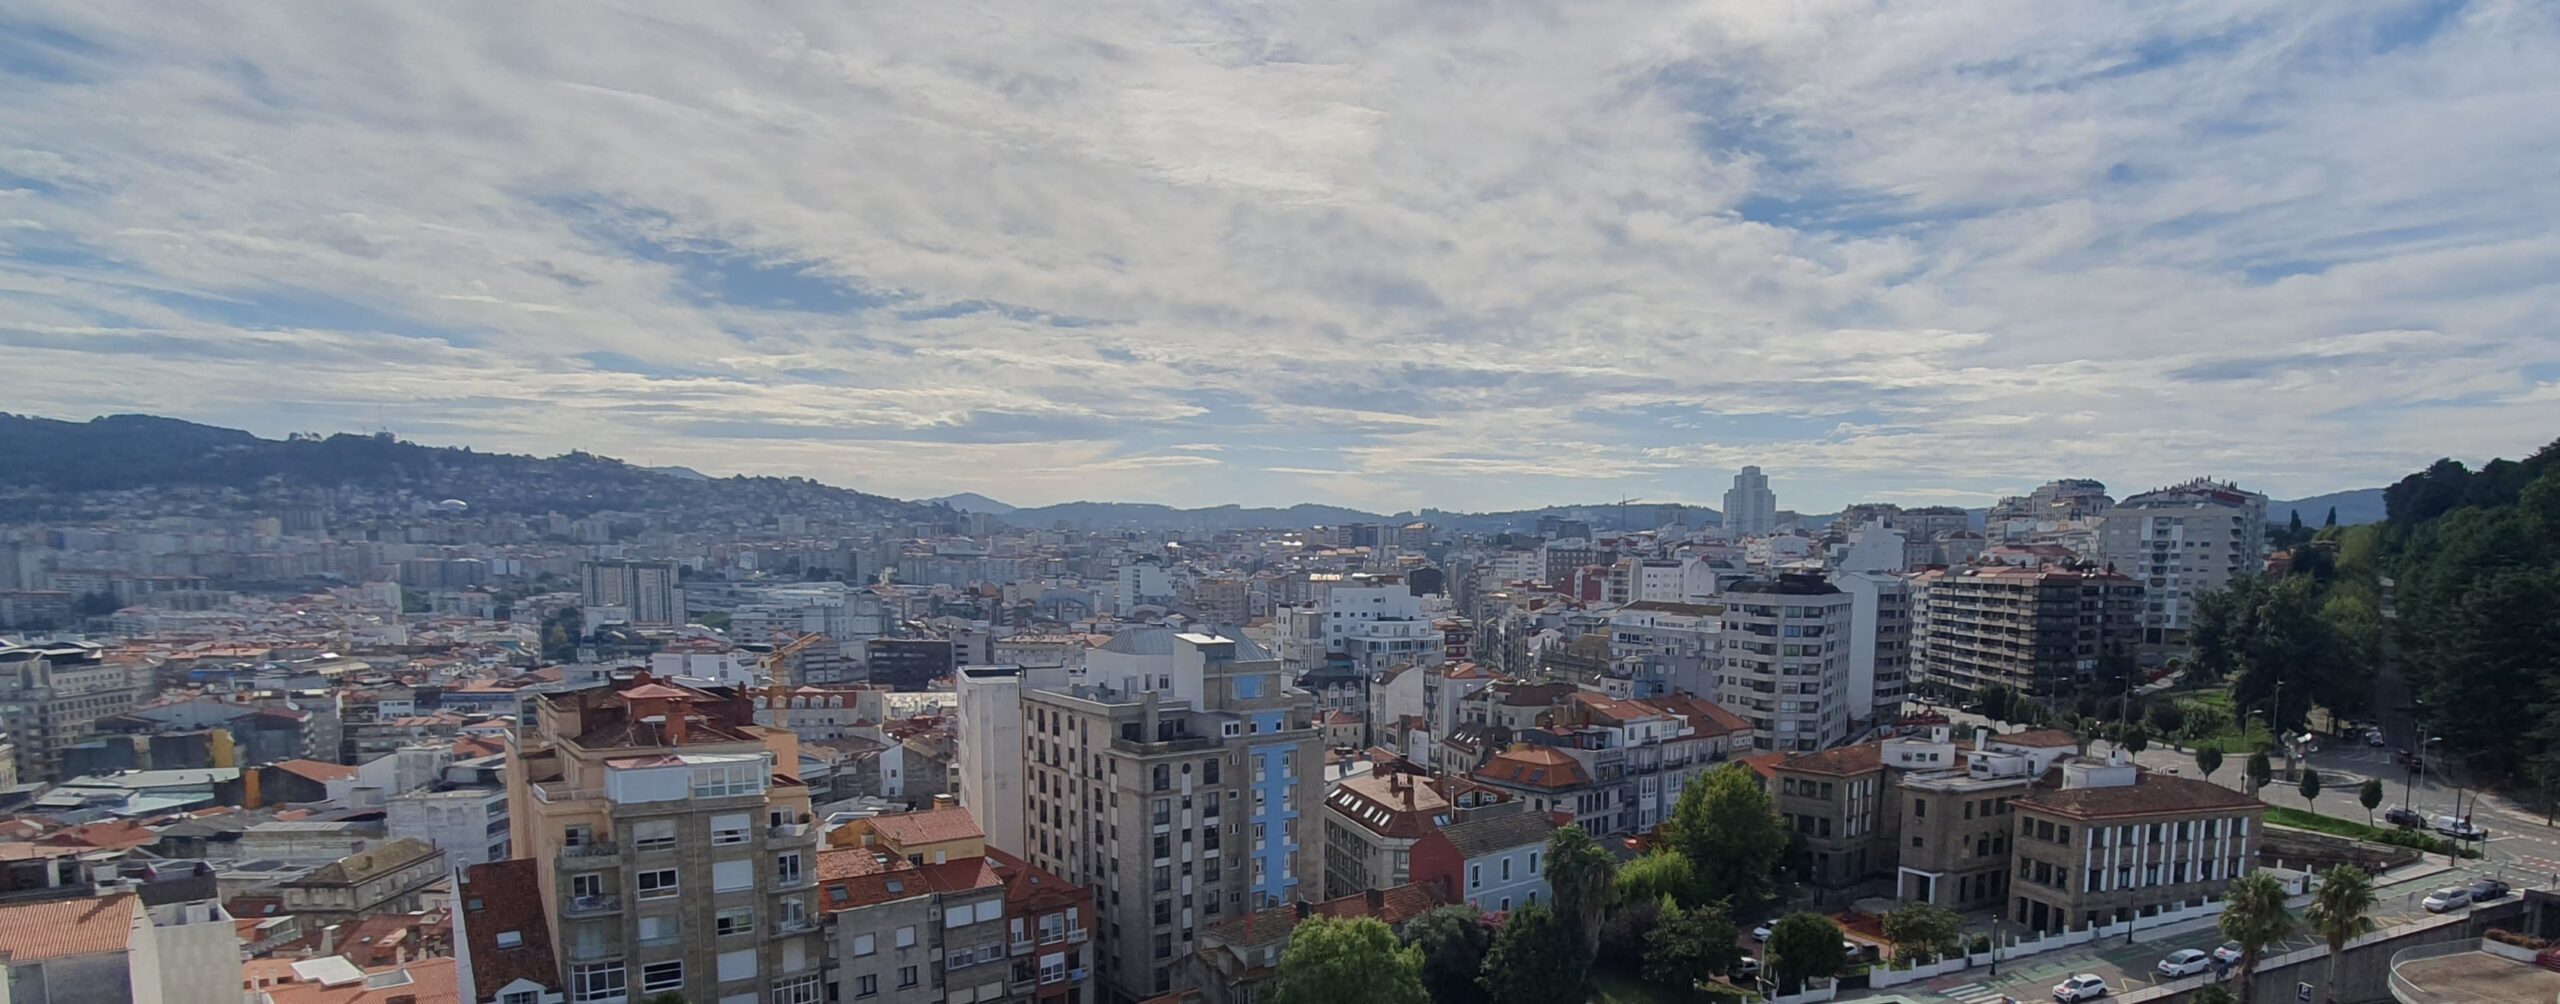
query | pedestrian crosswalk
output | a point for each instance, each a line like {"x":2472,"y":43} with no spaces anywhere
{"x":1973,"y":993}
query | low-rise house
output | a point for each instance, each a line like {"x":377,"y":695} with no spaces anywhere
{"x":1494,"y":861}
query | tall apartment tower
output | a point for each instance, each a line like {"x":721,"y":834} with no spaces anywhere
{"x":1786,"y":661}
{"x":1177,"y":815}
{"x":1750,"y":508}
{"x":2180,"y":542}
{"x":675,"y":845}
{"x":2033,"y":630}
{"x":647,"y":588}
{"x":1879,"y":643}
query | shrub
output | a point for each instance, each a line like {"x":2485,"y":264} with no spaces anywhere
{"x":2524,"y":941}
{"x":1981,"y":943}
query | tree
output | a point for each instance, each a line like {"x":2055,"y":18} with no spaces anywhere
{"x":1727,"y":828}
{"x":1536,"y":959}
{"x":2135,"y":739}
{"x":2339,"y":913}
{"x":2208,"y":760}
{"x":1665,"y":872}
{"x":2369,"y":795}
{"x":1357,"y":959}
{"x":1687,"y":946}
{"x":1623,"y":936}
{"x":2259,"y":771}
{"x":1453,"y":941}
{"x":2167,"y":718}
{"x":2332,"y":520}
{"x":2210,"y":994}
{"x":1923,"y":932}
{"x":2254,"y":915}
{"x":2310,"y":786}
{"x":1582,"y":875}
{"x":1804,"y":946}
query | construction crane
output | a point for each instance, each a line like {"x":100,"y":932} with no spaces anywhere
{"x":772,"y":664}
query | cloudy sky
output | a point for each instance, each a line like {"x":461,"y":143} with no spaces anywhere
{"x":1475,"y":255}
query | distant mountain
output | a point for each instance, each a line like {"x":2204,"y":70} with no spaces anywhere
{"x":1150,"y":516}
{"x":686,"y":473}
{"x":974,"y":502}
{"x":48,"y":466}
{"x":2359,"y":506}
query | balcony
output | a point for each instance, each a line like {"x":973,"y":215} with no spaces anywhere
{"x":1020,"y":947}
{"x":795,"y":925}
{"x":1076,"y":935}
{"x":548,"y":792}
{"x":788,"y":832}
{"x":591,"y":906}
{"x":603,"y":854}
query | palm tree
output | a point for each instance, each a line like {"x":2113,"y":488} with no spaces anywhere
{"x":2254,"y":915}
{"x":2338,"y":915}
{"x":1582,"y":875}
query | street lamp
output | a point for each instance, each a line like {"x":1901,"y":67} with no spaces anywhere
{"x":1995,"y":942}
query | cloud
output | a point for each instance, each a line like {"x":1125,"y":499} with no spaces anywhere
{"x":1402,"y":253}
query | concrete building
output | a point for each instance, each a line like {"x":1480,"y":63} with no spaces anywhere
{"x":989,"y":747}
{"x":1750,"y":508}
{"x":923,"y":911}
{"x":391,"y":876}
{"x":1371,"y":823}
{"x":2036,"y":630}
{"x":679,"y":854}
{"x":1956,"y":823}
{"x":2115,"y":842}
{"x":469,"y":824}
{"x":52,"y":694}
{"x":1178,"y":814}
{"x":1879,"y":643}
{"x":648,"y":589}
{"x":2181,"y":542}
{"x":1786,"y":661}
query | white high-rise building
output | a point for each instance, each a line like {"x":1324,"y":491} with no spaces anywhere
{"x":1750,"y":508}
{"x":1786,"y":661}
{"x":2180,"y":542}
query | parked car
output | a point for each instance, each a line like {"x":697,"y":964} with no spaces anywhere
{"x":2487,"y":889}
{"x":2185,"y":962}
{"x":2452,"y":897}
{"x":2373,"y":738}
{"x":2404,"y":818}
{"x":2227,"y":952}
{"x":2460,"y":828}
{"x":1760,"y":933}
{"x":2084,"y":987}
{"x":1746,"y":968}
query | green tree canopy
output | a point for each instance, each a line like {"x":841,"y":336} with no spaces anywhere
{"x":1804,"y":946}
{"x":2310,"y":786}
{"x":2340,"y":912}
{"x":2369,"y":795}
{"x":1665,"y":872}
{"x":2254,"y":915}
{"x":1330,"y":961}
{"x":1923,"y":932}
{"x":2260,"y":770}
{"x":1453,"y":941}
{"x":1536,"y":959}
{"x":1583,"y":876}
{"x":2208,"y":760}
{"x":1688,"y":946}
{"x":1728,"y":829}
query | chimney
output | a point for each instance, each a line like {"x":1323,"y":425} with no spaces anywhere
{"x":329,"y":940}
{"x":1981,"y":739}
{"x":1377,"y":902}
{"x":1147,"y":712}
{"x":1305,"y":909}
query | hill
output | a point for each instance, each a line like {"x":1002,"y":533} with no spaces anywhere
{"x":974,"y":502}
{"x":47,"y":465}
{"x":2355,"y":508}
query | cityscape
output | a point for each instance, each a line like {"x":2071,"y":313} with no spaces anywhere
{"x":1863,"y":501}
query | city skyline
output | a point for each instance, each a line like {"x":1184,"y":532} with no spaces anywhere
{"x":1202,"y":257}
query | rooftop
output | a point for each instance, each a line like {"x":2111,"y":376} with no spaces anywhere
{"x":499,"y":899}
{"x":1856,"y":759}
{"x":2473,"y":977}
{"x":64,"y":928}
{"x":2150,"y":794}
{"x":1534,"y":766}
{"x":933,"y":826}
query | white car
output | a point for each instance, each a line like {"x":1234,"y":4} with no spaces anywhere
{"x":2227,"y":952}
{"x":1746,"y":968}
{"x":2185,"y":962}
{"x":2452,"y":897}
{"x":1760,"y":933}
{"x":2084,"y":987}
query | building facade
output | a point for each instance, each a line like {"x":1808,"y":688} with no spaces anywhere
{"x":1750,"y":508}
{"x":2181,"y":542}
{"x":2036,"y":630}
{"x":1786,"y":661}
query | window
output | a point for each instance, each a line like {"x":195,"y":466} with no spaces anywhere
{"x":737,"y":965}
{"x":578,"y":836}
{"x":654,"y":835}
{"x":659,"y":883}
{"x":729,"y":779}
{"x":906,"y":977}
{"x":736,"y":920}
{"x":520,"y":997}
{"x":906,"y":937}
{"x":1533,"y":864}
{"x":659,"y":930}
{"x":662,"y":976}
{"x":597,"y":981}
{"x":797,"y":990}
{"x":1506,"y":870}
{"x":586,"y":884}
{"x":1919,"y":808}
{"x":865,"y":944}
{"x":786,"y":869}
{"x":1475,"y":876}
{"x":729,"y":828}
{"x":866,"y":985}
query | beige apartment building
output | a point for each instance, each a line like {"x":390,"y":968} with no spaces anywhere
{"x":1178,"y":816}
{"x":677,"y":848}
{"x":2182,"y":542}
{"x":2115,"y":842}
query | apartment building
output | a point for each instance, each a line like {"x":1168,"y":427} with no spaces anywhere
{"x":52,"y":695}
{"x":2037,"y":630}
{"x":1370,"y":825}
{"x":1786,"y":661}
{"x":2181,"y":542}
{"x":647,"y":589}
{"x":679,"y":850}
{"x":1879,"y":643}
{"x":1177,"y":813}
{"x":1953,"y":840}
{"x":2113,"y":842}
{"x":1750,"y":508}
{"x":1492,"y":861}
{"x":924,"y":911}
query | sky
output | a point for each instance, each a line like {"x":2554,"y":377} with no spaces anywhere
{"x":1382,"y":254}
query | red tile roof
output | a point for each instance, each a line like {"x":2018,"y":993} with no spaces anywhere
{"x":2038,"y":739}
{"x":1856,"y":759}
{"x":34,"y":932}
{"x":2151,"y":794}
{"x":118,"y":834}
{"x":429,"y":981}
{"x":315,"y":770}
{"x":1534,"y":766}
{"x":932,"y":826}
{"x":1705,"y":716}
{"x":508,"y":895}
